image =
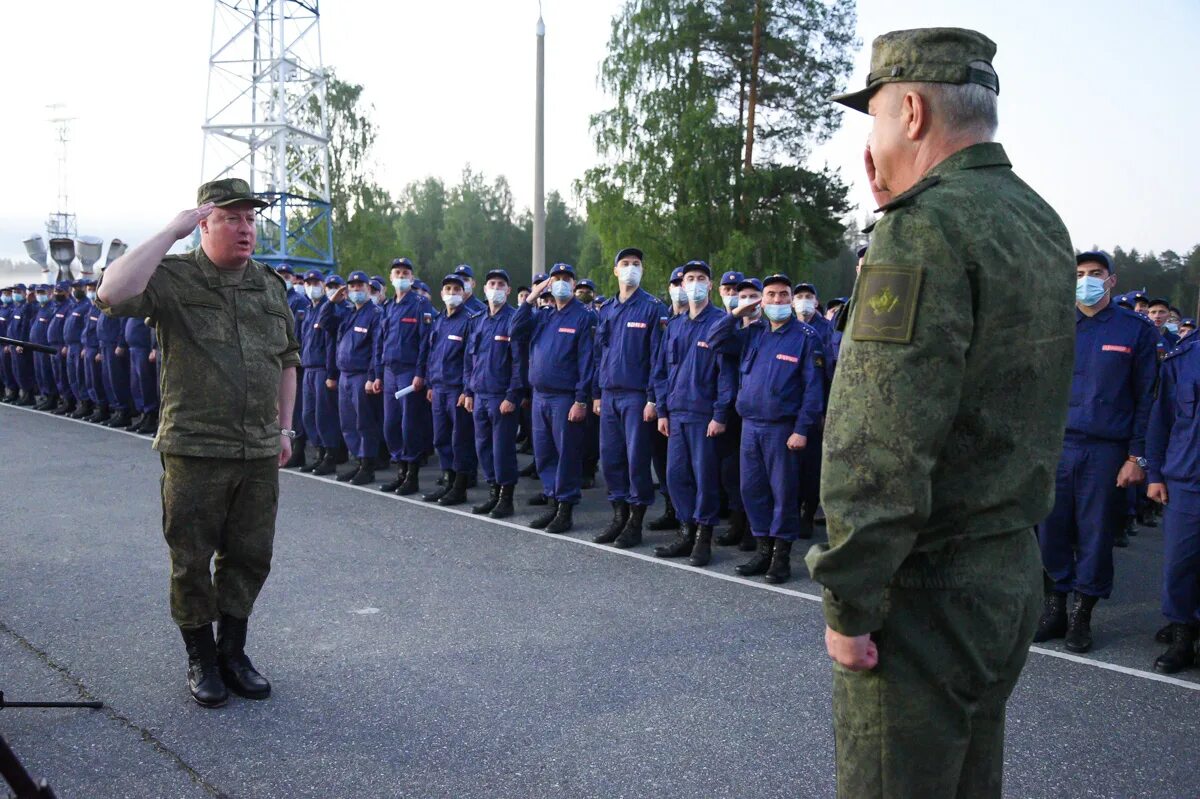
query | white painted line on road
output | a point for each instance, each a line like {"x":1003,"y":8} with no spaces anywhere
{"x":375,"y":492}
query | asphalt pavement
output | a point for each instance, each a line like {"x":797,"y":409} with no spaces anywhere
{"x":417,"y":651}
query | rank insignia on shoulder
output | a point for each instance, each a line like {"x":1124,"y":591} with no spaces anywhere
{"x":886,"y":306}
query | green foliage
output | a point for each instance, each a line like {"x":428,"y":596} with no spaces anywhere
{"x":1167,"y":274}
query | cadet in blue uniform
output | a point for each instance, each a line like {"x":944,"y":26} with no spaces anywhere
{"x":54,"y":337}
{"x":749,"y":314}
{"x":694,"y":386}
{"x":93,"y":361}
{"x":356,"y":341}
{"x":585,"y":292}
{"x":677,"y":306}
{"x":19,"y":324}
{"x":38,"y":334}
{"x":402,"y":337}
{"x":561,"y":364}
{"x":7,"y":375}
{"x":781,"y":398}
{"x":1173,"y":452}
{"x":1187,"y":326}
{"x":805,"y":304}
{"x":322,"y":338}
{"x":299,"y":305}
{"x":475,"y":307}
{"x":527,"y":400}
{"x":111,"y":333}
{"x":1103,"y":450}
{"x":323,"y":432}
{"x":1159,"y":311}
{"x":494,"y":384}
{"x":727,"y":445}
{"x":628,"y":336}
{"x":77,"y":312}
{"x":442,"y":369}
{"x":143,"y":375}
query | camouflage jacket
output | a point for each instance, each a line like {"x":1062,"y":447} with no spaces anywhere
{"x":224,"y":349}
{"x":946,"y":416}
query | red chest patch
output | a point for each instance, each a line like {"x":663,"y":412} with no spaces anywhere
{"x":502,"y":338}
{"x":638,"y":325}
{"x":566,"y":330}
{"x":788,"y":358}
{"x":410,"y":320}
{"x":1117,"y":348}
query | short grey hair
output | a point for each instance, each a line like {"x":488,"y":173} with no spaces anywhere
{"x":965,"y":108}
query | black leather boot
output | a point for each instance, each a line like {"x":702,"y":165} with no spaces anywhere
{"x":349,"y":474}
{"x":631,"y":535}
{"x":668,"y":521}
{"x":134,"y":422}
{"x":1121,"y":538}
{"x":391,"y":485}
{"x":236,"y":669}
{"x":781,"y":563}
{"x":702,"y":550}
{"x":530,"y":470}
{"x":412,"y":483}
{"x":298,"y":456}
{"x":761,"y":560}
{"x":538,"y":499}
{"x":562,"y":521}
{"x":84,"y":410}
{"x":149,"y":424}
{"x":308,"y":467}
{"x":119,"y":419}
{"x":540,"y":522}
{"x":1079,"y":623}
{"x":733,"y":534}
{"x":1053,"y":623}
{"x":1130,"y":528}
{"x":366,"y":473}
{"x":61,"y":407}
{"x":683,"y":544}
{"x":328,"y":464}
{"x":619,"y":520}
{"x":457,"y":494}
{"x":1181,"y":654}
{"x":1163,"y":636}
{"x":442,"y":489}
{"x":504,"y":506}
{"x":204,"y":677}
{"x":45,"y":403}
{"x":806,"y":525}
{"x":490,"y":503}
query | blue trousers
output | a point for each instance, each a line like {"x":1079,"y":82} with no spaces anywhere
{"x":405,"y":427}
{"x":298,"y":411}
{"x":1181,"y":553}
{"x":93,"y":371}
{"x":693,"y":471}
{"x":320,"y":418}
{"x":23,"y":370}
{"x":6,"y":369}
{"x":116,"y":378}
{"x":143,"y":380}
{"x":1076,"y":538}
{"x":496,"y":439}
{"x":770,"y":472}
{"x":43,"y":374}
{"x":557,"y":446}
{"x":58,"y":366}
{"x":453,"y":431}
{"x":360,"y":428}
{"x":658,"y":459}
{"x":809,"y":494}
{"x":76,"y":372}
{"x":731,"y":463}
{"x":626,"y":447}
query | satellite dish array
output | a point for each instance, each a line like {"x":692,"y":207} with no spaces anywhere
{"x":64,"y":251}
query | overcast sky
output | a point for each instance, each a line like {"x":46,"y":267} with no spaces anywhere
{"x":1097,"y":101}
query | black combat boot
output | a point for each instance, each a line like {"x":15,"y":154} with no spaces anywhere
{"x":619,"y":520}
{"x":1079,"y":623}
{"x":119,"y":419}
{"x":562,"y":521}
{"x":1130,"y":528}
{"x":64,"y":406}
{"x":457,"y":493}
{"x":1163,"y":636}
{"x":45,"y":403}
{"x":149,"y":424}
{"x":530,"y":470}
{"x":504,"y":506}
{"x":733,"y":534}
{"x":1121,"y":538}
{"x":1182,"y":652}
{"x":472,"y":479}
{"x":442,"y":489}
{"x":25,"y":400}
{"x":540,"y":522}
{"x":349,"y":474}
{"x":538,"y":499}
{"x":781,"y":563}
{"x":412,"y":483}
{"x":236,"y":669}
{"x":308,"y":467}
{"x":134,"y":422}
{"x":84,"y":410}
{"x":297,"y":460}
{"x":668,"y":521}
{"x":1053,"y":623}
{"x":391,"y":485}
{"x":365,"y":474}
{"x":328,"y":464}
{"x":631,"y":535}
{"x":761,"y":560}
{"x":341,"y":454}
{"x":489,"y":504}
{"x":101,"y":415}
{"x":806,"y":525}
{"x":702,"y":550}
{"x":204,"y":677}
{"x":685,"y":541}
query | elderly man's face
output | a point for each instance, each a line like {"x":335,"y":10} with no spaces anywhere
{"x":228,"y":235}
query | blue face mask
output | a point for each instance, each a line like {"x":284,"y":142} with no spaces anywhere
{"x":731,"y":301}
{"x":6,"y":300}
{"x":358,"y":297}
{"x":402,"y":283}
{"x":561,"y":289}
{"x":1089,"y":290}
{"x":1172,"y":327}
{"x":777,"y":313}
{"x":696,"y":292}
{"x":43,"y":299}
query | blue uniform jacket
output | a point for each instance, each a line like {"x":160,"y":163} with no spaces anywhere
{"x":782,"y":376}
{"x":330,"y":320}
{"x":299,"y":303}
{"x":1173,"y":432}
{"x":443,"y":355}
{"x":696,"y":372}
{"x":54,"y":333}
{"x":137,"y":333}
{"x":6,"y":312}
{"x":404,"y":333}
{"x":1113,"y":385}
{"x":76,"y":320}
{"x":111,"y":331}
{"x":41,"y":323}
{"x":475,"y":305}
{"x":356,"y":340}
{"x":314,"y":339}
{"x":495,"y":357}
{"x":628,"y":337}
{"x":562,"y":345}
{"x":89,"y":338}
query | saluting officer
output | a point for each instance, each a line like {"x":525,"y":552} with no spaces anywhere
{"x":356,"y":342}
{"x":93,"y":362}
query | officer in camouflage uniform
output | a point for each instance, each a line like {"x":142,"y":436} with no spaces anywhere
{"x":229,"y":358}
{"x":933,"y":476}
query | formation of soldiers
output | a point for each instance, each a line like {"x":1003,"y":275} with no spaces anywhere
{"x":720,"y":403}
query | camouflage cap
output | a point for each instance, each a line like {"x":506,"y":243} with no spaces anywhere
{"x":925,"y":55}
{"x":228,"y":192}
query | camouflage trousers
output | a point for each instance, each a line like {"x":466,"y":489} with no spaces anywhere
{"x":218,"y":507}
{"x":928,"y":721}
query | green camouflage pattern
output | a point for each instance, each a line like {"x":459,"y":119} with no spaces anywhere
{"x":222,"y":507}
{"x":224,"y":349}
{"x":228,"y":191}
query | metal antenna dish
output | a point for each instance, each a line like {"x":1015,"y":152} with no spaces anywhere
{"x":89,"y":249}
{"x":116,"y":249}
{"x":63,"y":253}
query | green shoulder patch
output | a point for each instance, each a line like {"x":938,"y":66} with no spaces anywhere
{"x":886,"y":305}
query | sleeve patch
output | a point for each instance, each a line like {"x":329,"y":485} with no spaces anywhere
{"x":886,"y":306}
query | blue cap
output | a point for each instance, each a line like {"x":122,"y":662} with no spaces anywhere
{"x":20,"y":287}
{"x":314,"y":274}
{"x":694,"y":266}
{"x":600,"y":298}
{"x":836,"y":301}
{"x":1097,"y":256}
{"x":84,"y":281}
{"x":627,"y":252}
{"x":562,"y":269}
{"x":861,"y":251}
{"x":799,"y":287}
{"x":1160,"y":301}
{"x":1124,"y":299}
{"x":380,"y":278}
{"x":586,"y":283}
{"x":421,"y":285}
{"x":751,"y":283}
{"x":284,"y":269}
{"x":401,"y":262}
{"x":677,"y":274}
{"x":454,"y":277}
{"x":464,"y":270}
{"x":62,"y":285}
{"x":540,"y":276}
{"x":335,"y":280}
{"x":778,"y":277}
{"x":1187,"y":321}
{"x":1138,"y":296}
{"x":357,"y":277}
{"x":78,"y":284}
{"x":378,"y":283}
{"x":732,"y":278}
{"x":497,"y":273}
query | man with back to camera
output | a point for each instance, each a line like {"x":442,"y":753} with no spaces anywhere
{"x":229,"y":358}
{"x":933,"y":477}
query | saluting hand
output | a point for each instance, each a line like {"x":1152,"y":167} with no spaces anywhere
{"x":854,"y":652}
{"x":537,"y":290}
{"x":747,"y":309}
{"x":185,"y":221}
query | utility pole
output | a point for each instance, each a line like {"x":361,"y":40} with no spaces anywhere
{"x":539,"y":156}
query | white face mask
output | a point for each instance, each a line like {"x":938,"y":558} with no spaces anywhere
{"x":468,"y":287}
{"x":697,"y":292}
{"x":314,"y":292}
{"x":730,"y":301}
{"x":402,"y":283}
{"x":631,"y":275}
{"x":497,"y":296}
{"x":452,"y":300}
{"x":805,"y":306}
{"x":677,"y":295}
{"x":561,"y":289}
{"x":91,"y":295}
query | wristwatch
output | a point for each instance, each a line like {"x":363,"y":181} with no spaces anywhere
{"x":288,"y":433}
{"x":1142,"y":463}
